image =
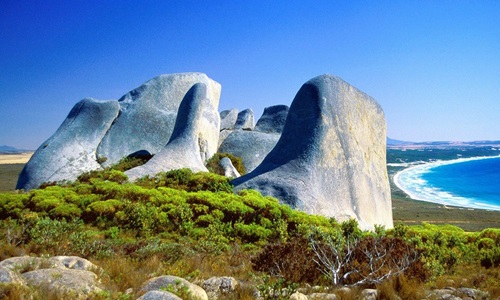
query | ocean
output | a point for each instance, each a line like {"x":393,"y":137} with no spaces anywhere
{"x":467,"y":182}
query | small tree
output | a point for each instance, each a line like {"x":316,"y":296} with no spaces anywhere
{"x":362,"y":260}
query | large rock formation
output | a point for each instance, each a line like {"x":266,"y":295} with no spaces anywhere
{"x":330,"y":159}
{"x":101,"y":133}
{"x":195,"y":128}
{"x":71,"y":151}
{"x":253,"y":145}
{"x":148,"y":115}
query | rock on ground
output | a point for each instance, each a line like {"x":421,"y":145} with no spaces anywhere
{"x":273,"y":119}
{"x":217,"y":286}
{"x":75,"y":283}
{"x":174,"y":283}
{"x":330,"y":159}
{"x":71,"y":151}
{"x":159,"y":295}
{"x":228,"y":119}
{"x":196,"y":125}
{"x":229,"y":170}
{"x":148,"y":115}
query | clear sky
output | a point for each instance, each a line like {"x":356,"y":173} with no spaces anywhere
{"x":434,"y":66}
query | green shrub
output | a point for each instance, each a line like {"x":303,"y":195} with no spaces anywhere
{"x":214,"y":167}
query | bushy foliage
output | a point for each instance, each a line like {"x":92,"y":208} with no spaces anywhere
{"x":214,"y":167}
{"x":291,"y":260}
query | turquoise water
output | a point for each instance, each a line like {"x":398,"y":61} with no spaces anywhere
{"x":472,"y":182}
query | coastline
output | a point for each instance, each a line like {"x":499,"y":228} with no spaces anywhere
{"x":15,"y":158}
{"x":412,"y":173}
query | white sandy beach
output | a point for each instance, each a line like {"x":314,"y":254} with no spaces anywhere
{"x":18,"y":158}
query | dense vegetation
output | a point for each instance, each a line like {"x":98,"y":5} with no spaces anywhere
{"x":192,"y":225}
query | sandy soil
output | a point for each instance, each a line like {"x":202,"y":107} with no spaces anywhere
{"x":18,"y":158}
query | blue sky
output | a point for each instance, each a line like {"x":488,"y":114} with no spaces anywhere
{"x":434,"y":66}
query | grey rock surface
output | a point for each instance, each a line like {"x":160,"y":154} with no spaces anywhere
{"x":196,"y":126}
{"x":228,"y":119}
{"x":322,"y":296}
{"x":229,"y":170}
{"x":273,"y":119}
{"x":76,"y":283}
{"x":75,"y":263}
{"x":9,"y":276}
{"x":71,"y":150}
{"x":175,"y":283}
{"x":148,"y":115}
{"x":245,"y":120}
{"x":218,"y":286}
{"x":21,"y":264}
{"x":298,"y":296}
{"x":159,"y":295}
{"x":330,"y":159}
{"x":251,"y":146}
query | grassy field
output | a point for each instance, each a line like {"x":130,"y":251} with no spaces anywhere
{"x":8,"y":176}
{"x":405,"y":210}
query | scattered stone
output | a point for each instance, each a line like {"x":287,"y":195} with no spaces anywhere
{"x":369,"y":294}
{"x":322,"y":296}
{"x":229,"y":170}
{"x":218,"y":286}
{"x":228,"y":119}
{"x":245,"y":120}
{"x":330,"y":159}
{"x":176,"y":284}
{"x":71,"y":150}
{"x":196,"y":131}
{"x":159,"y":295}
{"x":472,"y":293}
{"x":298,"y":296}
{"x":148,"y":115}
{"x":75,"y":283}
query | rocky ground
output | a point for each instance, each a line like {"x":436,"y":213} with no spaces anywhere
{"x":71,"y":277}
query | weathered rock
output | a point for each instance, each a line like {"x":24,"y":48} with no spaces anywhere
{"x":369,"y":294}
{"x":9,"y":276}
{"x":245,"y":120}
{"x":330,"y":158}
{"x":175,"y":283}
{"x":76,"y":263}
{"x":159,"y":295}
{"x":148,"y":115}
{"x":251,"y":146}
{"x":22,"y":264}
{"x":217,"y":286}
{"x":228,"y":119}
{"x":322,"y":296}
{"x":229,"y":170}
{"x":71,"y":151}
{"x":298,"y":296}
{"x":76,"y":284}
{"x":197,"y":123}
{"x":273,"y":119}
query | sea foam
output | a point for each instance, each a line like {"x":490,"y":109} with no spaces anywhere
{"x":411,"y":182}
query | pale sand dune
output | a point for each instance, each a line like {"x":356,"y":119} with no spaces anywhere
{"x":18,"y":158}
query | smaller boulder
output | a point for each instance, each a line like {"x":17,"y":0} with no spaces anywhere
{"x":323,"y":296}
{"x":22,"y":264}
{"x":229,"y":170}
{"x":65,"y":282}
{"x":273,"y":119}
{"x":298,"y":296}
{"x":246,"y":120}
{"x":369,"y":294}
{"x":217,"y":286}
{"x":159,"y":295}
{"x":228,"y":119}
{"x":76,"y":263}
{"x":176,"y":284}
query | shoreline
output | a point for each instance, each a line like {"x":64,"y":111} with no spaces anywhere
{"x":440,"y":197}
{"x":15,"y":158}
